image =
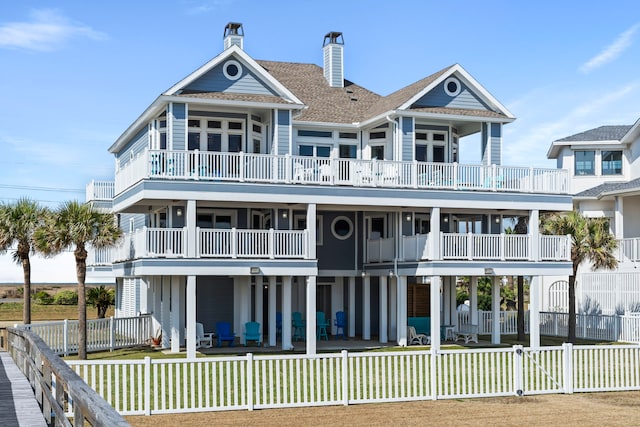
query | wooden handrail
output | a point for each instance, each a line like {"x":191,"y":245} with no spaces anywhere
{"x":43,"y":367}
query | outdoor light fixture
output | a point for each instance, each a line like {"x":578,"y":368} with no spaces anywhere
{"x":364,"y":273}
{"x":179,"y":212}
{"x":446,"y":218}
{"x":254,"y":270}
{"x":285,"y":214}
{"x":408,"y":217}
{"x":390,"y":273}
{"x":497,"y":220}
{"x":489,"y":271}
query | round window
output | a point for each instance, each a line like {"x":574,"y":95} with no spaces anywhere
{"x":342,"y":228}
{"x":452,"y":86}
{"x":232,"y":70}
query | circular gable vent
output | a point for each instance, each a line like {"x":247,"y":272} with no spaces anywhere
{"x":452,"y":86}
{"x":232,"y":70}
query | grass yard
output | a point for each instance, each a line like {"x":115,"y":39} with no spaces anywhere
{"x":12,"y":312}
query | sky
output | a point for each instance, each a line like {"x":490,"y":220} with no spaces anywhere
{"x":75,"y":74}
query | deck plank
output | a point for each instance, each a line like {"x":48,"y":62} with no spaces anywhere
{"x":18,"y":405}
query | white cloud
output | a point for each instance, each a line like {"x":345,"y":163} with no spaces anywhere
{"x":46,"y":30}
{"x":203,"y":7}
{"x":612,"y":51}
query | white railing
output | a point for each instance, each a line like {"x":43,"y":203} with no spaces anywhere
{"x":237,"y":243}
{"x":100,"y":190}
{"x":508,"y":321}
{"x":469,"y":246}
{"x":157,"y":386}
{"x":102,"y":334}
{"x":624,"y":328}
{"x":629,"y":249}
{"x":241,"y":167}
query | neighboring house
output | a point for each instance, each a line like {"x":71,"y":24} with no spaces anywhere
{"x":604,"y":164}
{"x":252,"y":188}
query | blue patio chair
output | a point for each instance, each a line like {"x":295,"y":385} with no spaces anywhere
{"x":321,"y":326}
{"x":341,"y":324}
{"x":278,"y":324}
{"x":298,"y":326}
{"x":223,"y":331}
{"x":252,"y":333}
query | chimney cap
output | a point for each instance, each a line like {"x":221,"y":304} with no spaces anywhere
{"x":333,"y":37}
{"x":233,"y":29}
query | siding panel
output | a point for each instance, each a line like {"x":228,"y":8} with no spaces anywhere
{"x":135,"y":147}
{"x":407,"y":139}
{"x":179,"y":126}
{"x":215,"y":81}
{"x":284,"y":131}
{"x":466,"y":99}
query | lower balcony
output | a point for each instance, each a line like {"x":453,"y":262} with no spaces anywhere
{"x":211,"y":243}
{"x":472,"y":247}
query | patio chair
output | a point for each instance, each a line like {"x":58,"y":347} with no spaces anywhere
{"x":415,"y":338}
{"x":223,"y":331}
{"x":252,"y":333}
{"x":203,"y":339}
{"x":298,"y":326}
{"x":341,"y":324}
{"x":321,"y":326}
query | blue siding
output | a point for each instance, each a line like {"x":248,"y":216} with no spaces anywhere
{"x":496,"y":142}
{"x":179,"y":127}
{"x":139,"y":221}
{"x":485,"y":154}
{"x":466,"y":99}
{"x":336,"y":254}
{"x":136,"y":145}
{"x":214,"y":301}
{"x":284,"y":130}
{"x":407,"y":139}
{"x":215,"y":81}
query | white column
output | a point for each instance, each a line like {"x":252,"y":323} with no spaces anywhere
{"x":157,"y":305}
{"x":435,"y":312}
{"x":352,"y":307}
{"x":182,"y":328}
{"x":534,"y":232}
{"x":473,"y":301}
{"x":311,"y":315}
{"x":175,"y":314}
{"x":401,"y":310}
{"x":366,"y":308}
{"x":446,"y":298}
{"x":434,"y":234}
{"x":453,"y":306}
{"x":286,"y":313}
{"x":382,"y":321}
{"x":165,"y":318}
{"x":393,"y":309}
{"x":311,"y":226}
{"x":192,"y":236}
{"x":337,"y":302}
{"x":258,"y":309}
{"x":191,"y":317}
{"x":243,"y":283}
{"x":237,"y":303}
{"x":495,"y":310}
{"x":534,"y":312}
{"x":272,"y":312}
{"x":618,"y":219}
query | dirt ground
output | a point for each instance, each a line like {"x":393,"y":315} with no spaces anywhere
{"x":585,"y":409}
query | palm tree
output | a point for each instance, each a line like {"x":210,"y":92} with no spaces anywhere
{"x":74,"y":226}
{"x":591,"y":241}
{"x":101,"y":298}
{"x":18,"y":223}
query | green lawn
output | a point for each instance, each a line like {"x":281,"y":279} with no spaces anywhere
{"x":12,"y":311}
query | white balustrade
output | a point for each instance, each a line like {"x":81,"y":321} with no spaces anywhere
{"x":238,"y":243}
{"x":100,"y":190}
{"x":629,"y":249}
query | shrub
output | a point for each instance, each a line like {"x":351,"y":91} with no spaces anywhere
{"x":66,"y":298}
{"x":43,"y":297}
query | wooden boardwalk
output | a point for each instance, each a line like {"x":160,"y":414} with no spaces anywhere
{"x":18,"y":405}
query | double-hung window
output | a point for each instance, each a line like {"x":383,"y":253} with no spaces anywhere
{"x":585,"y":162}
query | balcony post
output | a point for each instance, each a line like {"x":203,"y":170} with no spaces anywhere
{"x":414,"y":173}
{"x":234,"y":243}
{"x":287,"y":166}
{"x":241,"y":160}
{"x":272,"y":244}
{"x":534,"y":224}
{"x":455,"y":176}
{"x":503,"y":251}
{"x":470,"y":253}
{"x":436,"y":241}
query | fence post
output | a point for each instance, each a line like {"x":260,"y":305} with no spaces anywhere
{"x":147,"y":385}
{"x":112,"y":334}
{"x":345,"y":378}
{"x":518,"y":380}
{"x":250,"y":381}
{"x":434,"y":374}
{"x":65,"y":337}
{"x":567,"y":349}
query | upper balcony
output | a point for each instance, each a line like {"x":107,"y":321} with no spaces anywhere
{"x":266,"y":168}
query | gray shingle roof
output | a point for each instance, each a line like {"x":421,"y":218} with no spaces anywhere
{"x":610,"y":187}
{"x":602,"y":133}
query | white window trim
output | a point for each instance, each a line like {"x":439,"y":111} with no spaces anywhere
{"x":224,"y":131}
{"x":342,"y":218}
{"x":452,"y":80}
{"x":227,"y":64}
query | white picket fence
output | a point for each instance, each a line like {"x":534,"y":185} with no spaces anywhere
{"x":102,"y":334}
{"x":153,"y":386}
{"x":592,"y":327}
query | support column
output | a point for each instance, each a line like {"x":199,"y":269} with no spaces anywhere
{"x":534,"y":232}
{"x":311,"y":315}
{"x":473,"y":303}
{"x":401,"y":310}
{"x":534,"y":312}
{"x":272,"y":311}
{"x":446,"y":298}
{"x":191,"y":317}
{"x":352,"y":307}
{"x":495,"y":310}
{"x":191,"y":229}
{"x":383,"y":310}
{"x":393,"y":309}
{"x":434,"y":234}
{"x":157,"y":305}
{"x":165,"y":318}
{"x":243,"y":285}
{"x":366,"y":308}
{"x":286,"y":313}
{"x":337,"y":303}
{"x":175,"y":314}
{"x":435,"y":312}
{"x":618,"y":217}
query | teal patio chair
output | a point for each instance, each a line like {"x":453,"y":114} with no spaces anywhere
{"x":321,"y":326}
{"x":223,"y":331}
{"x":298,"y":326}
{"x":341,"y":324}
{"x":252,"y":333}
